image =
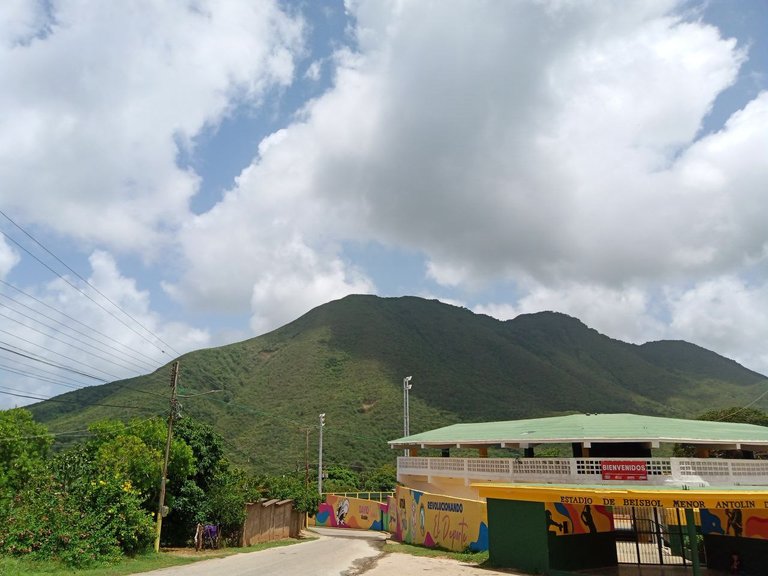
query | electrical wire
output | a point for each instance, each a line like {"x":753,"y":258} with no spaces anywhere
{"x":154,"y":362}
{"x":36,"y":241}
{"x":83,"y":293}
{"x":37,"y":371}
{"x":49,"y":351}
{"x":760,"y":397}
{"x":65,"y":401}
{"x":4,"y":346}
{"x":52,"y":337}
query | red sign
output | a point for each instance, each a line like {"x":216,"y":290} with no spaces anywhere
{"x":624,"y":470}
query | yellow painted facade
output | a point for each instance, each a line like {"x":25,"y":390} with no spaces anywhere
{"x":433,"y":520}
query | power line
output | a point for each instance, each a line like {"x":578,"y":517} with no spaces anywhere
{"x":65,"y":401}
{"x":36,"y":370}
{"x":36,"y":377}
{"x":100,"y":305}
{"x":73,"y":319}
{"x":52,"y":337}
{"x":59,"y":354}
{"x":36,"y":241}
{"x":744,"y":407}
{"x":3,"y":346}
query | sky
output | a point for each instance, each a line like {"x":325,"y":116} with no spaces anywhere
{"x":176,"y":175}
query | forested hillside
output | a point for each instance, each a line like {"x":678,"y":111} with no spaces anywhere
{"x":348,"y":358}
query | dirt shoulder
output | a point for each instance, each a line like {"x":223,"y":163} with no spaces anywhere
{"x":407,"y":565}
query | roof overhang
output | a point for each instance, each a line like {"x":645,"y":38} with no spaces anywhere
{"x":590,"y":429}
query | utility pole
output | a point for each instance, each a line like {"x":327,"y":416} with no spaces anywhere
{"x":306,"y":461}
{"x":320,"y":459}
{"x":161,"y":509}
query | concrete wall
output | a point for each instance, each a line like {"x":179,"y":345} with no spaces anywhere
{"x":342,"y":512}
{"x":435,"y":520}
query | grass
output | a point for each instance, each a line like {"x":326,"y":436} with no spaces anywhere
{"x":469,"y":557}
{"x":143,"y":563}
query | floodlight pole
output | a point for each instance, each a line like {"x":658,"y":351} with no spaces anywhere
{"x":320,"y":458}
{"x":406,"y":409}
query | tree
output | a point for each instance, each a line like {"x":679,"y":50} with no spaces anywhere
{"x":67,"y":507}
{"x":24,"y":445}
{"x":135,"y":452}
{"x":734,"y":414}
{"x":382,"y":479}
{"x":292,"y":486}
{"x":341,"y":479}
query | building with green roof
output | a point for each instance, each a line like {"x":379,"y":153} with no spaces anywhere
{"x":573,"y":513}
{"x":592,"y":438}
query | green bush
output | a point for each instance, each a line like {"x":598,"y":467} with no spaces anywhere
{"x":97,"y":521}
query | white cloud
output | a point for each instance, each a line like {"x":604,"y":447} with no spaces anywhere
{"x":111,"y":335}
{"x":546,"y":143}
{"x":554,"y":145}
{"x":20,"y":21}
{"x":95,"y":106}
{"x":314,"y":70}
{"x":137,"y":325}
{"x":623,"y":313}
{"x":726,"y":314}
{"x":297,"y":280}
{"x":8,"y":258}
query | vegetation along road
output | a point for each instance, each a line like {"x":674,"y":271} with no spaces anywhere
{"x":335,"y":553}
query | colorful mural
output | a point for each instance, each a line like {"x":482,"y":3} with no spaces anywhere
{"x":566,"y":519}
{"x":440,"y":521}
{"x":391,"y":515}
{"x":343,"y":512}
{"x":740,"y":522}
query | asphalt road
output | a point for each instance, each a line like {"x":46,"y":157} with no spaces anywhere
{"x":335,"y":553}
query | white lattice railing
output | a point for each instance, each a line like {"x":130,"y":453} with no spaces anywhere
{"x":660,"y":471}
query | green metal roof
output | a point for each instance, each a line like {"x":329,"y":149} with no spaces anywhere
{"x":591,"y":428}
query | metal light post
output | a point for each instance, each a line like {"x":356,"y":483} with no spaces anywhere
{"x":406,"y":409}
{"x":320,"y":458}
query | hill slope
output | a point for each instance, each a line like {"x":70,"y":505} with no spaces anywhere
{"x":347,"y":359}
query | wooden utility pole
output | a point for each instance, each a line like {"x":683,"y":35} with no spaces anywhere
{"x":306,"y":461}
{"x":161,"y":504}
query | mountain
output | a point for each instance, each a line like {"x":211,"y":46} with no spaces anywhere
{"x":348,"y":358}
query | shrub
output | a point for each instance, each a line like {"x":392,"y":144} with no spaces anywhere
{"x":97,"y":521}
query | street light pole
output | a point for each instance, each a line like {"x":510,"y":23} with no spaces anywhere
{"x":320,"y":458}
{"x":406,"y":409}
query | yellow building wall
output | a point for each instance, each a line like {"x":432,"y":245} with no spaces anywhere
{"x":437,"y":521}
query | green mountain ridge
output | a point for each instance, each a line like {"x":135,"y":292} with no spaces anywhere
{"x":347,"y":359}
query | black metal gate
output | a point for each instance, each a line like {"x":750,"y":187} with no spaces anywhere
{"x":652,"y":536}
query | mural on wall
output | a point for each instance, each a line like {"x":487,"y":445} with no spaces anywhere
{"x":343,"y":512}
{"x":440,"y":521}
{"x":391,"y":515}
{"x":739,"y":522}
{"x":566,"y":519}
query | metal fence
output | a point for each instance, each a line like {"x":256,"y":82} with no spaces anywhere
{"x":653,"y":536}
{"x":377,"y":496}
